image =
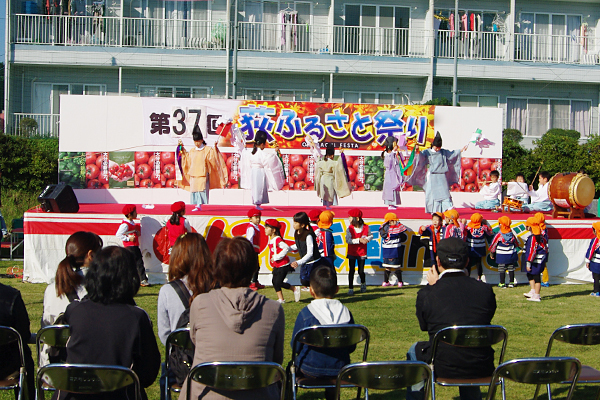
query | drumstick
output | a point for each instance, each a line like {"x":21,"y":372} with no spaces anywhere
{"x":536,"y":174}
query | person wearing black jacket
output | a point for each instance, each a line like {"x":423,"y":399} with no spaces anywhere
{"x":453,"y":298}
{"x":14,"y":314}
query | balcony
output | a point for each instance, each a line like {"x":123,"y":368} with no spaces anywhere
{"x":473,"y":45}
{"x":34,"y":125}
{"x":564,"y":49}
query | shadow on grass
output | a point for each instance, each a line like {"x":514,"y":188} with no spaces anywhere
{"x":569,"y":294}
{"x":581,"y":392}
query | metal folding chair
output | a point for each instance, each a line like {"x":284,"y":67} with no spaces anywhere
{"x":54,"y":336}
{"x":16,"y":381}
{"x":537,"y":371}
{"x":237,"y":375}
{"x":180,"y":338}
{"x":467,"y":336}
{"x":581,"y":334}
{"x":325,"y":336}
{"x":384,"y":375}
{"x":86,"y":379}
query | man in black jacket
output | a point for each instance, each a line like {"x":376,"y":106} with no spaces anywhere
{"x":453,"y":298}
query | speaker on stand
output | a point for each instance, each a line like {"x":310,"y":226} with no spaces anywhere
{"x":59,"y":198}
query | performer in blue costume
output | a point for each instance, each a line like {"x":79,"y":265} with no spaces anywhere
{"x":444,"y":170}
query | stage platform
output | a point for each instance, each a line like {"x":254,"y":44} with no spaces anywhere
{"x":46,"y":234}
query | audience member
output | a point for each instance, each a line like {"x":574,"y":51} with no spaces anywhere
{"x":234,"y":323}
{"x":107,"y":328}
{"x":323,"y":310}
{"x":452,"y":298}
{"x":68,"y":283}
{"x":14,"y":314}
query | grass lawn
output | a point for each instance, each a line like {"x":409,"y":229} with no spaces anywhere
{"x":389,"y":313}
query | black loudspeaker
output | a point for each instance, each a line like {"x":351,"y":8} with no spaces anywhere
{"x":59,"y":198}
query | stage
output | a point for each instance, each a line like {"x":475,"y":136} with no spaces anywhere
{"x":46,"y":234}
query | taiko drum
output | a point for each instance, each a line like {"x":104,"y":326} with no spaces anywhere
{"x":571,"y":190}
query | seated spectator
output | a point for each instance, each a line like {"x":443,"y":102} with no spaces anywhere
{"x":234,"y":323}
{"x":14,"y":314}
{"x":68,"y":283}
{"x":190,"y":272}
{"x":452,"y":298}
{"x":107,"y":328}
{"x":323,"y":310}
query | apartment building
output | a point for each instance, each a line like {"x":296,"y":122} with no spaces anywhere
{"x":538,"y":60}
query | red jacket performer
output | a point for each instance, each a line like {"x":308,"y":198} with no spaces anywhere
{"x":253,"y":235}
{"x":129,"y":232}
{"x":357,"y":237}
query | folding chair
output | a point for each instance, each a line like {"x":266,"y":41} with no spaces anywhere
{"x":180,"y":338}
{"x":237,"y":375}
{"x":86,"y":379}
{"x":15,"y":381}
{"x":537,"y":371}
{"x":54,"y":336}
{"x":17,"y":236}
{"x":324,"y":336}
{"x":581,"y":334}
{"x":384,"y":375}
{"x":467,"y":336}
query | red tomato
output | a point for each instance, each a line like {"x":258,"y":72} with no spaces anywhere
{"x":103,"y":178}
{"x":455,"y":188}
{"x":170,"y":183}
{"x":233,"y":178}
{"x":157,"y":185}
{"x":466,"y":163}
{"x":350,"y":160}
{"x":310,"y":179}
{"x":167,"y":157}
{"x":90,"y":158}
{"x":169,"y":171}
{"x":485,"y":175}
{"x":298,"y":173}
{"x":356,"y":164}
{"x":352,"y":186}
{"x":351,"y":174}
{"x":146,"y":183}
{"x":91,"y":171}
{"x":470,"y":187}
{"x":158,"y":178}
{"x":105,"y":186}
{"x":476,"y":166}
{"x":311,"y":188}
{"x":143,"y":171}
{"x":230,"y":161}
{"x":469,"y":176}
{"x":360,"y":180}
{"x":136,"y":180}
{"x":100,"y":159}
{"x":495,"y":166}
{"x":300,"y":185}
{"x":234,"y":186}
{"x":151,"y":161}
{"x":94,"y":184}
{"x":285,"y":187}
{"x":485,"y":163}
{"x":296,"y":159}
{"x":141,"y":157}
{"x":306,"y":163}
{"x":360,"y":189}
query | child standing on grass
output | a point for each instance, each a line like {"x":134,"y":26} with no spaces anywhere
{"x":592,"y":258}
{"x":536,"y":255}
{"x":279,"y":260}
{"x":477,"y":231}
{"x":455,"y":227}
{"x":357,"y":237}
{"x":504,"y":249}
{"x":253,"y":235}
{"x":430,"y":236}
{"x":542,"y":218}
{"x":317,"y":362}
{"x":325,"y":237}
{"x":392,"y":236}
{"x":307,"y":247}
{"x":129,"y":233}
{"x":177,"y":225}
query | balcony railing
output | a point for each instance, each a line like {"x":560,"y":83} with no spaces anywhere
{"x":29,"y":125}
{"x":299,"y":38}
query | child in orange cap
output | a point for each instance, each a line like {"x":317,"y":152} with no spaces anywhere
{"x":357,"y":237}
{"x":542,"y":219}
{"x":325,"y":237}
{"x":253,"y":235}
{"x":279,"y":260}
{"x":477,"y":232}
{"x":392,"y":234}
{"x":536,"y":255}
{"x":455,"y":226}
{"x":129,"y":233}
{"x":313,"y":215}
{"x":592,"y":258}
{"x":177,"y":225}
{"x":430,"y":236}
{"x":504,"y":249}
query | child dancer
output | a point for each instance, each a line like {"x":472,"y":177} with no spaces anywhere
{"x":592,"y":258}
{"x":392,"y":179}
{"x":430,"y":236}
{"x":177,"y":225}
{"x":392,"y":236}
{"x":491,"y":193}
{"x":279,"y":260}
{"x":477,"y":231}
{"x":129,"y":233}
{"x":331,"y":179}
{"x":536,"y":255}
{"x":313,"y":215}
{"x":542,"y":218}
{"x":504,"y":249}
{"x":357,"y":237}
{"x":253,"y":235}
{"x":325,"y":237}
{"x":306,"y":245}
{"x":455,"y":227}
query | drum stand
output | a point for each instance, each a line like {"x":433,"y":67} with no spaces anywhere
{"x":569,"y":213}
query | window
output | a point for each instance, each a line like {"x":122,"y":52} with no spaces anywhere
{"x":534,"y":117}
{"x":172,"y":91}
{"x":277,"y":95}
{"x":549,"y":37}
{"x":46,"y":96}
{"x":478,"y":101}
{"x":376,"y":98}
